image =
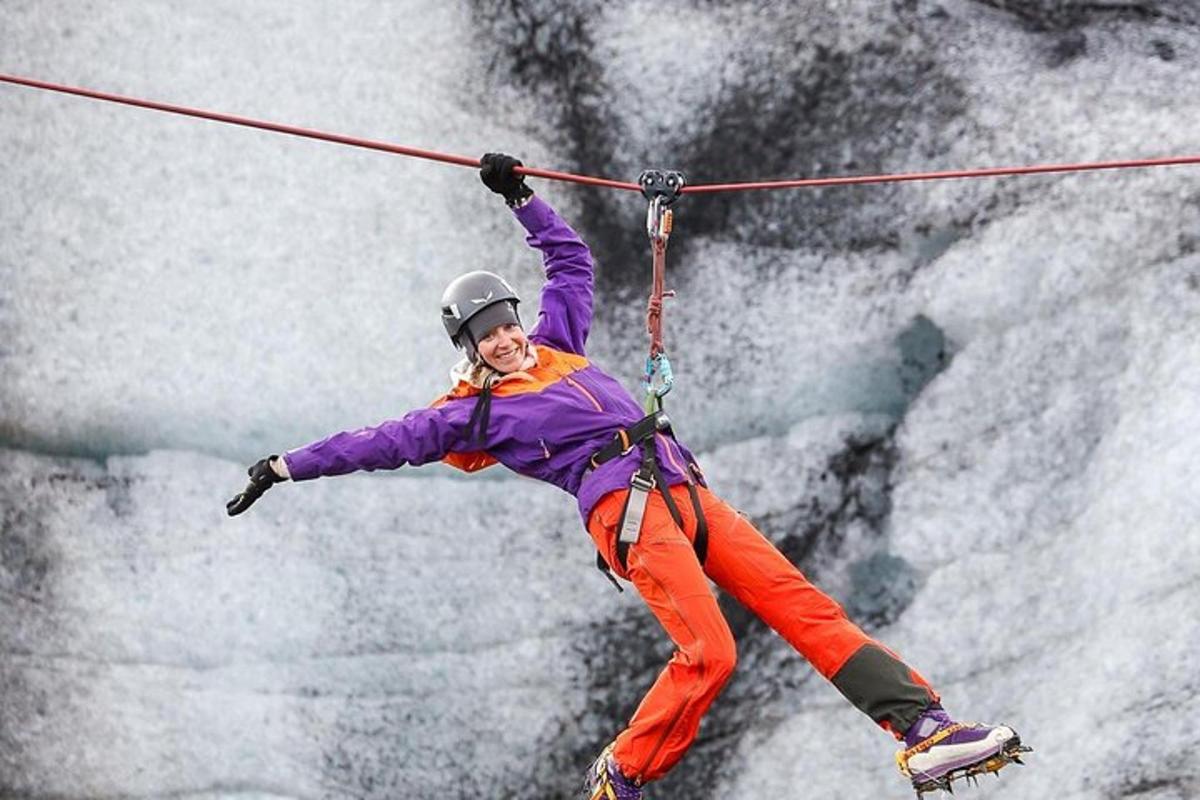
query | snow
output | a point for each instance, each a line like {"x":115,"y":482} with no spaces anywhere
{"x":968,"y":407}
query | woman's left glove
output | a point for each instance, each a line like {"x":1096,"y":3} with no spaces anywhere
{"x":262,"y":477}
{"x":496,"y":172}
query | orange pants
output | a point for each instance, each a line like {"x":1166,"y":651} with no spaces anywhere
{"x":663,"y":567}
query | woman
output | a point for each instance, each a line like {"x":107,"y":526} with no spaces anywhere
{"x":533,"y":402}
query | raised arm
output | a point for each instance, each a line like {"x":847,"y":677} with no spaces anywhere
{"x":566,"y":312}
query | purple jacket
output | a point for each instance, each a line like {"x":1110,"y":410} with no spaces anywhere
{"x":545,"y":425}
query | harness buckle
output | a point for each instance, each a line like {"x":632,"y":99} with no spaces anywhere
{"x":642,"y":484}
{"x":640,"y":488}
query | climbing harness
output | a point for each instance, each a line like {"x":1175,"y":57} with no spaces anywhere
{"x":645,"y":480}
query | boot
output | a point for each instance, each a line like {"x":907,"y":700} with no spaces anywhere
{"x":605,"y":781}
{"x":939,"y":750}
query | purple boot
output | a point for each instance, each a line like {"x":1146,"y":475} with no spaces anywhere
{"x":605,"y":781}
{"x":940,"y":750}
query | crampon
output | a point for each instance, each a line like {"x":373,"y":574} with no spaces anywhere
{"x":922,"y":782}
{"x":605,"y":782}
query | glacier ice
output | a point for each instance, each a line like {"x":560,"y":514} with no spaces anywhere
{"x":966,"y":408}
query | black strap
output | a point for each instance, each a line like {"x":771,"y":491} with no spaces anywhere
{"x":602,"y":565}
{"x":626,"y":439}
{"x":700,"y":543}
{"x":481,"y":414}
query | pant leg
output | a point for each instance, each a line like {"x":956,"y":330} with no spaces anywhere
{"x":662,"y":566}
{"x":744,"y":563}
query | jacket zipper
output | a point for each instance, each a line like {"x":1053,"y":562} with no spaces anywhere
{"x":588,"y":394}
{"x":671,"y":455}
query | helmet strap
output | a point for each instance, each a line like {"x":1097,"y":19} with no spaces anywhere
{"x":470,"y":346}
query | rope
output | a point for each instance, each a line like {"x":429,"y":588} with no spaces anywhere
{"x":654,"y":306}
{"x":703,"y":188}
{"x":986,"y":172}
{"x":291,"y":130}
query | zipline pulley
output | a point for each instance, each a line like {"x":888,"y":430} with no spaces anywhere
{"x":661,"y":188}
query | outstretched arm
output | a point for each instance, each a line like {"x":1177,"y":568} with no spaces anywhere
{"x":418,"y":437}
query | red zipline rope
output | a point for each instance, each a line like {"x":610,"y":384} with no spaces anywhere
{"x":989,"y":172}
{"x":307,"y":133}
{"x":467,"y":161}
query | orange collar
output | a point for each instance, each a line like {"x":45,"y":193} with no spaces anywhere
{"x":552,"y":366}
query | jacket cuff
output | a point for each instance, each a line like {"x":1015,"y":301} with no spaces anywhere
{"x":534,"y":215}
{"x":295,"y":464}
{"x":280,"y":467}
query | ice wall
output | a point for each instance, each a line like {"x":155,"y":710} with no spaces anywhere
{"x":965,"y":408}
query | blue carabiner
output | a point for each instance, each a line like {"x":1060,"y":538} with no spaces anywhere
{"x":658,"y":366}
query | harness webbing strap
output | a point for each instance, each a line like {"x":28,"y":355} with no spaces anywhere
{"x":700,"y":543}
{"x":631,"y":517}
{"x":626,"y":438}
{"x":477,"y":425}
{"x":648,"y":478}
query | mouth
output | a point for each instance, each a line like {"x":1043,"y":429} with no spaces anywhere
{"x":507,"y":354}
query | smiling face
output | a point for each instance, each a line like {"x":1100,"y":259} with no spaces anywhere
{"x":504,"y":347}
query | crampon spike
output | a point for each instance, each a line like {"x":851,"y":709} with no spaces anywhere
{"x":970,"y":774}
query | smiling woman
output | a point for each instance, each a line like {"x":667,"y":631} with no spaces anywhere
{"x":534,"y":403}
{"x":506,"y":349}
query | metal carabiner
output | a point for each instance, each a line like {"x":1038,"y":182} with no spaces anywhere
{"x":657,"y":380}
{"x":658,"y":220}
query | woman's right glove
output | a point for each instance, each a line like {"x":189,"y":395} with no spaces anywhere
{"x":262,"y":477}
{"x":496,"y":172}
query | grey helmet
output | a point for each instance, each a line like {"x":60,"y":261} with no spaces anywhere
{"x":475,"y":303}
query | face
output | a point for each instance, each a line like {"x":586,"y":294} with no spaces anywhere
{"x":504,"y":347}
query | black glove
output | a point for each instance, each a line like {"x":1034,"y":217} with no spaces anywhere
{"x":496,"y":172}
{"x":262,"y":477}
